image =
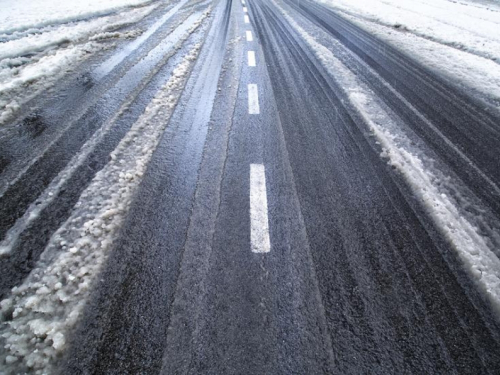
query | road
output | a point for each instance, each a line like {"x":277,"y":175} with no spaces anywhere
{"x":266,"y":233}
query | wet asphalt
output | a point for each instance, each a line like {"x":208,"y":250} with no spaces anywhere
{"x":358,"y":280}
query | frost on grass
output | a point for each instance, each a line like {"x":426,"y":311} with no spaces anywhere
{"x":460,"y":217}
{"x":38,"y":314}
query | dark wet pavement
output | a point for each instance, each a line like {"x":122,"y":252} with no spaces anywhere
{"x":359,"y":279}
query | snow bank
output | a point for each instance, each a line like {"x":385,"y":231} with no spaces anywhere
{"x":33,"y":60}
{"x":73,"y":33}
{"x":18,"y":15}
{"x":39,"y":313}
{"x":456,"y":212}
{"x":459,"y":39}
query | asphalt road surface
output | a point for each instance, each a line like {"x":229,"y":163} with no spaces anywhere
{"x":267,"y":234}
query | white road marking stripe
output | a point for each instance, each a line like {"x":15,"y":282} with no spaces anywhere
{"x":245,"y":9}
{"x":251,"y":58}
{"x":249,"y":36}
{"x":253,"y":99}
{"x":243,"y":2}
{"x":247,"y":20}
{"x":259,"y":222}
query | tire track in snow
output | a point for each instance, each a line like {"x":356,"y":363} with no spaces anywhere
{"x":38,"y":225}
{"x":40,"y":313}
{"x":473,"y":237}
{"x":51,"y":192}
{"x":84,"y":92}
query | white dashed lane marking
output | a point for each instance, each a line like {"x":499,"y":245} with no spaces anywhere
{"x":251,"y":58}
{"x":259,"y":222}
{"x":253,"y":99}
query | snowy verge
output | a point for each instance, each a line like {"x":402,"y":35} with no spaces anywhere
{"x":454,"y":210}
{"x":457,"y":25}
{"x":39,"y":313}
{"x":18,"y":15}
{"x":74,"y":33}
{"x":458,"y":40}
{"x":31,"y":64}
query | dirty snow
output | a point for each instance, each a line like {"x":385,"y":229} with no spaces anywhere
{"x":461,"y":217}
{"x":33,"y":59}
{"x":461,"y":40}
{"x":39,"y":313}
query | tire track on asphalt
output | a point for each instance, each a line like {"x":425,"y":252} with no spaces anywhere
{"x":124,"y":329}
{"x":426,"y":283}
{"x":81,"y":119}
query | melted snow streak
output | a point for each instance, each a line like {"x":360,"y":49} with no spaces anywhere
{"x":38,"y":58}
{"x":460,"y":216}
{"x":39,"y":314}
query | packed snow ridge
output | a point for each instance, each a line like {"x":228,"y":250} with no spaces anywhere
{"x":40,"y":313}
{"x":41,"y":40}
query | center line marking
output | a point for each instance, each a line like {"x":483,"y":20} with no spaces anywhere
{"x":251,"y":58}
{"x":245,"y":9}
{"x":253,"y":99}
{"x":247,"y":20}
{"x":243,"y":2}
{"x":249,"y":36}
{"x":259,"y":222}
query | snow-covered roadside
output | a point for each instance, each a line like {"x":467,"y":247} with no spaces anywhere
{"x":31,"y":61}
{"x":40,"y":312}
{"x":458,"y":39}
{"x":20,"y":15}
{"x":457,"y":213}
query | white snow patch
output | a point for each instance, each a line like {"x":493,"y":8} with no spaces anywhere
{"x":74,"y":33}
{"x":19,"y":15}
{"x":445,"y":198}
{"x":454,"y":24}
{"x":48,"y":304}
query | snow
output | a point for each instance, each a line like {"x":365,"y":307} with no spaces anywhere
{"x":461,"y":40}
{"x":48,"y":46}
{"x":20,"y":15}
{"x":72,"y":33}
{"x":108,"y":65}
{"x":39,"y":314}
{"x":471,"y":230}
